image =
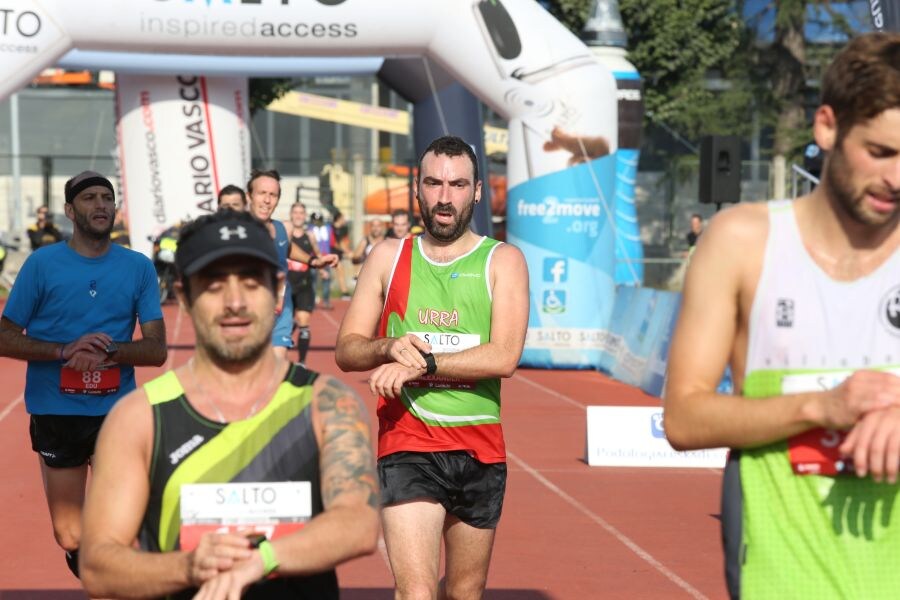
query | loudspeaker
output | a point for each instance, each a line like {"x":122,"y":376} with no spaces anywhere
{"x":720,"y":169}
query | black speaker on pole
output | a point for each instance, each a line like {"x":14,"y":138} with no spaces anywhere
{"x":720,"y":169}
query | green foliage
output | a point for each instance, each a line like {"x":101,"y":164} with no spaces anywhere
{"x":571,"y":13}
{"x":262,"y":91}
{"x":688,"y":52}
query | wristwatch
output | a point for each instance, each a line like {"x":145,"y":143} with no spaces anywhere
{"x":111,"y":348}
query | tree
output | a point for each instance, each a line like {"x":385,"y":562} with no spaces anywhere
{"x":687,"y":53}
{"x":794,"y":41}
{"x":263,"y":91}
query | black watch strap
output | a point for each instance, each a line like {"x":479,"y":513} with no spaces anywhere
{"x":431,"y":365}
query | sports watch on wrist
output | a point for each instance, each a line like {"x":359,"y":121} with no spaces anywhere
{"x":111,"y":348}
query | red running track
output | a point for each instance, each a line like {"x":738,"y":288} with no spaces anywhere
{"x":568,"y":530}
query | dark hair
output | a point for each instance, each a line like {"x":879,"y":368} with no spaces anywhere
{"x":226,"y":214}
{"x":401,"y":212}
{"x":697,"y":216}
{"x":257,"y":173}
{"x":450,"y":145}
{"x":229,"y":190}
{"x":863,"y":80}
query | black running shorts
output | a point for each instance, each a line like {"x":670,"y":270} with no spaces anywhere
{"x":467,"y":489}
{"x":302,"y":291}
{"x":64,"y":441}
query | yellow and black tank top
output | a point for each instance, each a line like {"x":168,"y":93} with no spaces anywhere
{"x":276,"y":444}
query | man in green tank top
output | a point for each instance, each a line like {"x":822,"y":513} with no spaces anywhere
{"x":238,"y":473}
{"x":440,"y":317}
{"x":801,"y":298}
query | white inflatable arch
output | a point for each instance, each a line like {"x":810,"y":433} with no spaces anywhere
{"x":511,"y":54}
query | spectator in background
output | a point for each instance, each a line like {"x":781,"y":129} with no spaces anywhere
{"x":119,"y":234}
{"x":233,"y":197}
{"x":400,"y":224}
{"x":696,"y":230}
{"x":43,"y":232}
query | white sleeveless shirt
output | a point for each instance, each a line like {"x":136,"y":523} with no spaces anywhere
{"x":803,"y":320}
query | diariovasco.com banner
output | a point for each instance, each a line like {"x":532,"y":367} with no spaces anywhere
{"x":181,"y":140}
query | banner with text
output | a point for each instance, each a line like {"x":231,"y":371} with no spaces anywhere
{"x":633,"y":436}
{"x":181,"y":139}
{"x":565,"y":229}
{"x":635,"y":348}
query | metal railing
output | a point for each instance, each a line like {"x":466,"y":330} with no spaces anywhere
{"x":802,"y":179}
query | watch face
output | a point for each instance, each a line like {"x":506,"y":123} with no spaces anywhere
{"x":111,"y":348}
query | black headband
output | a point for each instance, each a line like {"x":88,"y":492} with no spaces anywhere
{"x":84,"y":184}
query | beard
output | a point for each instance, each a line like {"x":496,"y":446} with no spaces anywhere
{"x":850,"y":200}
{"x":85,"y":227}
{"x":451,"y":231}
{"x":236,"y":354}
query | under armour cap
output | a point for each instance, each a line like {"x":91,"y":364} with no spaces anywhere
{"x":83,"y":181}
{"x":225,"y":233}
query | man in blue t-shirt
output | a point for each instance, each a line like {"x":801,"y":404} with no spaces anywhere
{"x":263,"y":194}
{"x":71,"y":315}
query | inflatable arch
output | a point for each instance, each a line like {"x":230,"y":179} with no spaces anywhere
{"x":512,"y":55}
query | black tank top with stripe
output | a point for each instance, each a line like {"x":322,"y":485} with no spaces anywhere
{"x":276,"y":444}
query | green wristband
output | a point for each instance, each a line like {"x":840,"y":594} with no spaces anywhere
{"x":270,"y":563}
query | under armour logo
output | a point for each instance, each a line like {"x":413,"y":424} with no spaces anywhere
{"x":226,"y":233}
{"x":92,"y":288}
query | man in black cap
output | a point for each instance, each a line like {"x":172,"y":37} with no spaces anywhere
{"x":78,"y":303}
{"x":237,"y":426}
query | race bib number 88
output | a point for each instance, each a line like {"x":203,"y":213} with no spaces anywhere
{"x":99,"y":382}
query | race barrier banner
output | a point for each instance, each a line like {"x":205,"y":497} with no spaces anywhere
{"x":635,"y":348}
{"x":181,"y":139}
{"x":633,"y":436}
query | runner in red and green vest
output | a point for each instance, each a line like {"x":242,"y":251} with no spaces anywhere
{"x":441,"y":317}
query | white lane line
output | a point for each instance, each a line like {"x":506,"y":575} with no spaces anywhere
{"x":9,"y":407}
{"x":328,"y":318}
{"x":624,"y":539}
{"x":549,"y":391}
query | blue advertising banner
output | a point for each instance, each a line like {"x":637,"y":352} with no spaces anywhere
{"x":636,"y":347}
{"x":629,"y":248}
{"x":563,"y":224}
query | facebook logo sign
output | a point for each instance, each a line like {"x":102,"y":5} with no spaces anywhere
{"x":556,"y":269}
{"x":656,"y":425}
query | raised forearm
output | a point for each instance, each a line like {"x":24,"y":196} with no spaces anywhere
{"x":15,"y":344}
{"x":355,"y":352}
{"x":111,"y":570}
{"x":140,"y":353}
{"x":481,"y":362}
{"x":335,"y":536}
{"x":710,"y":420}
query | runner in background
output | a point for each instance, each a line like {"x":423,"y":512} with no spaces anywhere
{"x":71,"y":314}
{"x":400,"y":224}
{"x":323,"y":234}
{"x":233,"y":197}
{"x":253,"y":428}
{"x":302,"y":279}
{"x":264,"y":192}
{"x":342,"y":249}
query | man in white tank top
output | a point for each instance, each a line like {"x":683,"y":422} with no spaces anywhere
{"x":802,"y":299}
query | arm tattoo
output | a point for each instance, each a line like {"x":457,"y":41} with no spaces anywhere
{"x":346,"y":464}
